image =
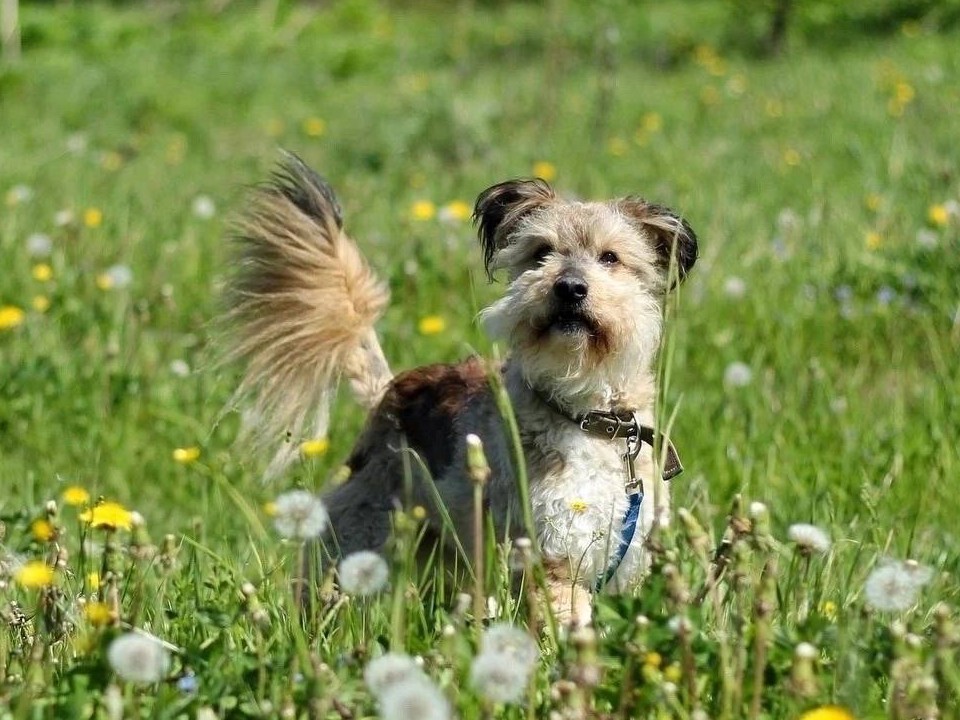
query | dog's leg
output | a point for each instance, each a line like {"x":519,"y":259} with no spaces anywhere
{"x":570,"y":601}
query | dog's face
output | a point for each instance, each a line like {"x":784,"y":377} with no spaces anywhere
{"x":582,"y":313}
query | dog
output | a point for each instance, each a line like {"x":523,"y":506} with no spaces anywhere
{"x":582,"y":318}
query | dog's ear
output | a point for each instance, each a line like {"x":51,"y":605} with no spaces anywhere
{"x":500,"y":207}
{"x":673,"y":239}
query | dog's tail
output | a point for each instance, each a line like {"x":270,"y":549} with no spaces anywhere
{"x":302,"y":303}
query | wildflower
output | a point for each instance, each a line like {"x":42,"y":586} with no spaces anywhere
{"x":315,"y":447}
{"x":895,"y":585}
{"x":455,"y":211}
{"x":652,"y":122}
{"x":497,"y":678}
{"x":423,"y":210}
{"x":903,"y":92}
{"x":180,"y":368}
{"x":10,"y":317}
{"x":19,"y":194}
{"x":418,"y":698}
{"x":39,"y":245}
{"x":109,"y":516}
{"x":578,"y":505}
{"x":93,"y":581}
{"x":389,"y":669}
{"x":872,"y":240}
{"x":98,"y":613}
{"x":42,"y":272}
{"x":203,"y":207}
{"x":927,"y":239}
{"x":809,"y":538}
{"x":63,"y":217}
{"x":138,"y":658}
{"x":737,"y":374}
{"x":545,"y":170}
{"x":653,"y":659}
{"x":510,"y":641}
{"x":672,"y":673}
{"x":363,"y":573}
{"x":431,"y":325}
{"x":828,"y":712}
{"x":40,"y":303}
{"x":873,"y":201}
{"x":734,"y":287}
{"x":270,"y":509}
{"x":186,"y":455}
{"x":34,"y":574}
{"x":300,"y":514}
{"x":938,"y":215}
{"x":75,"y":495}
{"x":314,"y":127}
{"x":791,"y":157}
{"x":115,"y":277}
{"x":42,"y":530}
{"x":828,"y":608}
{"x":93,"y":217}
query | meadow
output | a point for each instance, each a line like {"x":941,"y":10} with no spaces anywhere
{"x":810,"y":369}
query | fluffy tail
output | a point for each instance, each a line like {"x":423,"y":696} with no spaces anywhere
{"x":302,"y":303}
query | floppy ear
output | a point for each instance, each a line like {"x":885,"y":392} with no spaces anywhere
{"x":673,"y":239}
{"x":500,"y":207}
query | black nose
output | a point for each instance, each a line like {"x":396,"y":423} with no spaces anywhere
{"x":570,"y":288}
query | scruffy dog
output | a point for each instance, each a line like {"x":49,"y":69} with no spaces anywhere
{"x":582,"y":318}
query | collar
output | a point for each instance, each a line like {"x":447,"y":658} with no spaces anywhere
{"x":614,"y":425}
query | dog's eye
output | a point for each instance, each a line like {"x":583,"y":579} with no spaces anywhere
{"x":609,"y":258}
{"x":541,"y":254}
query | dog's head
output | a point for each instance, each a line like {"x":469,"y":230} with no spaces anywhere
{"x":582,"y":313}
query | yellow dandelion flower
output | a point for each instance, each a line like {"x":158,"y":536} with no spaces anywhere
{"x":109,"y":516}
{"x":40,"y":303}
{"x":652,"y":659}
{"x":872,"y":240}
{"x":418,"y":513}
{"x":828,"y":712}
{"x":873,"y":201}
{"x":111,"y":161}
{"x":275,"y":127}
{"x":546,"y":170}
{"x":93,"y":217}
{"x":314,"y":127}
{"x":104,"y":281}
{"x":76,"y":495}
{"x":903,"y":92}
{"x":42,"y":530}
{"x":617,"y":146}
{"x":791,"y":157}
{"x":186,"y":455}
{"x":431,"y":325}
{"x":578,"y":505}
{"x":938,"y":215}
{"x":315,"y":447}
{"x":672,"y":673}
{"x":457,"y":210}
{"x":98,"y":614}
{"x":10,"y":317}
{"x":652,"y":122}
{"x":828,"y":608}
{"x":93,"y":581}
{"x":270,"y":508}
{"x":42,"y":272}
{"x":34,"y":574}
{"x":773,"y":108}
{"x":423,"y":210}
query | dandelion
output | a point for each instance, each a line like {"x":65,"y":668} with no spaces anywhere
{"x":98,"y":613}
{"x":42,"y":272}
{"x":734,"y":287}
{"x":314,"y":127}
{"x":363,"y":573}
{"x":108,"y":516}
{"x":203,"y":207}
{"x":927,"y":239}
{"x":418,"y":698}
{"x":186,"y":455}
{"x":809,"y":538}
{"x":300,"y":514}
{"x":42,"y":530}
{"x":828,"y":608}
{"x":431,"y":325}
{"x":93,"y":217}
{"x":545,"y":170}
{"x":270,"y":509}
{"x":40,"y":303}
{"x":828,"y":712}
{"x":511,"y":641}
{"x":388,"y":670}
{"x":578,"y":505}
{"x":791,"y":157}
{"x":653,"y":660}
{"x":115,"y":277}
{"x":873,"y":201}
{"x":423,"y":210}
{"x":179,"y":368}
{"x":455,"y":211}
{"x":872,"y":240}
{"x":62,"y":218}
{"x":34,"y":574}
{"x":737,"y":374}
{"x":497,"y":678}
{"x":315,"y":448}
{"x":938,"y":215}
{"x":895,"y":585}
{"x":138,"y":658}
{"x":652,"y":122}
{"x":93,"y":581}
{"x":672,"y":673}
{"x":10,"y":317}
{"x":19,"y":194}
{"x":39,"y":245}
{"x":75,"y":495}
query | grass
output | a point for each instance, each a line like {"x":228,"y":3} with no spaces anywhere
{"x":823,"y":185}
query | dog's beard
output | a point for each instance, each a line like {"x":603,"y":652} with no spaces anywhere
{"x":580,"y":356}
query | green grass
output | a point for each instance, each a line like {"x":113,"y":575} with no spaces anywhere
{"x":784,"y":167}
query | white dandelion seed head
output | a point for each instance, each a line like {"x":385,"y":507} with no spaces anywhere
{"x":179,"y":368}
{"x":120,"y":276}
{"x":679,"y":624}
{"x":384,"y":672}
{"x":416,"y":698}
{"x":63,"y":217}
{"x":204,"y":207}
{"x":809,"y":537}
{"x":738,"y":374}
{"x":509,"y":640}
{"x":363,"y":573}
{"x":300,"y":514}
{"x":138,"y":658}
{"x":39,"y":245}
{"x":805,"y":651}
{"x":758,"y":509}
{"x":498,"y":677}
{"x":734,"y":287}
{"x":20,"y":194}
{"x":895,"y":586}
